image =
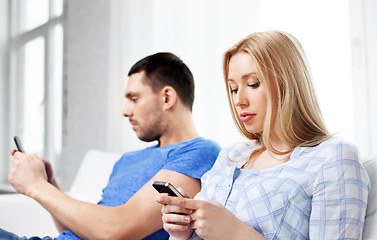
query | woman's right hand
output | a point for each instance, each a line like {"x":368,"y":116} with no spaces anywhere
{"x":176,"y":219}
{"x":210,"y":220}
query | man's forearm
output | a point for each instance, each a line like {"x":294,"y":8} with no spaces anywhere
{"x":91,"y":221}
{"x":58,"y":224}
{"x":70,"y":214}
{"x":30,"y":175}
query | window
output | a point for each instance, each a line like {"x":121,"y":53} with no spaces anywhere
{"x":35,"y":45}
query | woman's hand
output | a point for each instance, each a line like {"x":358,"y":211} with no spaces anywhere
{"x":210,"y":220}
{"x":176,"y":219}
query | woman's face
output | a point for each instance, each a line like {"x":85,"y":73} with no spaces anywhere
{"x":248,"y":94}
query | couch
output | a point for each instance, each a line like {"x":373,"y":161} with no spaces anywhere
{"x":25,"y":217}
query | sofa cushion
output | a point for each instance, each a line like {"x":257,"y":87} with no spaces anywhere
{"x":93,"y":175}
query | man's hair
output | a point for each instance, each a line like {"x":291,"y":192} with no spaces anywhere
{"x":166,"y":69}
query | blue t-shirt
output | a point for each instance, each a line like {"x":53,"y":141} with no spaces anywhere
{"x":192,"y":158}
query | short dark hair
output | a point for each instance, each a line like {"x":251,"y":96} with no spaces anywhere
{"x":166,"y":69}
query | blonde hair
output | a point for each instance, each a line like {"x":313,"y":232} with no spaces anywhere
{"x":283,"y":70}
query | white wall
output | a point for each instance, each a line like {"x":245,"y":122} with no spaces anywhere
{"x":371,"y":53}
{"x":86,"y":82}
{"x":363,"y":23}
{"x":339,"y":38}
{"x":322,"y":27}
{"x":198,"y":32}
{"x":105,"y":38}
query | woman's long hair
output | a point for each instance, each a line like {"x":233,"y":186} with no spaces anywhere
{"x":283,"y":70}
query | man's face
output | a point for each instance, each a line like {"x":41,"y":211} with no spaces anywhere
{"x":143,"y":108}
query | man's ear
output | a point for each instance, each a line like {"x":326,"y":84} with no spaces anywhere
{"x":169,"y":97}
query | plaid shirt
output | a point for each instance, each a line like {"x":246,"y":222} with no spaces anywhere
{"x":320,"y":193}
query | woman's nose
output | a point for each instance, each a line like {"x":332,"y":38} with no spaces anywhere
{"x":240,"y":98}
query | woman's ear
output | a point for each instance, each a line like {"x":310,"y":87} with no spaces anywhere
{"x":169,"y":97}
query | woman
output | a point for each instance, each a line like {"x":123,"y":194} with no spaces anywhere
{"x":292,"y":180}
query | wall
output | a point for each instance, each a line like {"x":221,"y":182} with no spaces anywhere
{"x":371,"y":30}
{"x":198,"y":32}
{"x":86,"y":68}
{"x":105,"y":38}
{"x":363,"y":25}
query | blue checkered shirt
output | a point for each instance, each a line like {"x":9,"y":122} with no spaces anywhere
{"x":320,"y":193}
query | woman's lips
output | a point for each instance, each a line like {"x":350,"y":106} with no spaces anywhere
{"x":245,"y":117}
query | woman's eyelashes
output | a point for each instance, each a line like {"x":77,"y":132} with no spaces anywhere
{"x":233,"y":90}
{"x":254,"y":85}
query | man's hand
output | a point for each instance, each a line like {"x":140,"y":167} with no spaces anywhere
{"x":27,"y":172}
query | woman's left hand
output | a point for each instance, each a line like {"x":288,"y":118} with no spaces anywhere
{"x":211,"y":220}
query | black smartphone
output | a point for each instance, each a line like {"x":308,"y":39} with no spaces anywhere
{"x":165,"y":187}
{"x":19,"y":147}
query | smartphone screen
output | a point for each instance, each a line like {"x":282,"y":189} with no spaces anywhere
{"x":19,"y":147}
{"x":165,"y":187}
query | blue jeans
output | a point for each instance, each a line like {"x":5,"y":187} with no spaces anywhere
{"x":5,"y":235}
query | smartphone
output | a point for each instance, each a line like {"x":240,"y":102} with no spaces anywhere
{"x":19,"y":147}
{"x":165,"y":187}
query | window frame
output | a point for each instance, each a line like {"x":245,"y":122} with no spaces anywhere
{"x":17,"y":40}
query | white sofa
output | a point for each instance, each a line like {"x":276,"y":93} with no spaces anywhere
{"x":25,"y":217}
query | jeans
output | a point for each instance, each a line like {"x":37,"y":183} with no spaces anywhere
{"x":5,"y":235}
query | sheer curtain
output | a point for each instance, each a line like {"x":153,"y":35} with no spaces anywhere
{"x":200,"y":31}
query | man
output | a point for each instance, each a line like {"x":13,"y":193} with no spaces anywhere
{"x":159,"y":97}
